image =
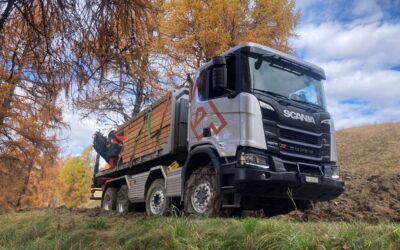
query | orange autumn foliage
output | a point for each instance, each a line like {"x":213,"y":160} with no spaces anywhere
{"x":43,"y":44}
{"x":192,"y":32}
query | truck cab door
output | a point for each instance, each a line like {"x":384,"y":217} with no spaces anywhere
{"x":214,"y":115}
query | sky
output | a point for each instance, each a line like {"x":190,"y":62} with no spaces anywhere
{"x":356,"y":42}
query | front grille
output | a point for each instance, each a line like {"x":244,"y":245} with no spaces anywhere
{"x":295,"y":142}
{"x":299,"y":143}
{"x":298,"y":136}
{"x":301,"y":150}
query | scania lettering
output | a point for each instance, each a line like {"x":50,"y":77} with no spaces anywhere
{"x":298,"y":116}
{"x":252,"y":131}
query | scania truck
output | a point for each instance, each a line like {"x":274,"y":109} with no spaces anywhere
{"x":251,"y":132}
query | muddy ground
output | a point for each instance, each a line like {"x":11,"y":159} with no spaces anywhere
{"x":371,"y":198}
{"x":368,"y":198}
{"x":374,"y":199}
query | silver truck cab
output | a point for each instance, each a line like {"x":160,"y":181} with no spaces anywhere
{"x":264,"y":113}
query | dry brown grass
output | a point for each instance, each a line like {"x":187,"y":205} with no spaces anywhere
{"x":370,"y":150}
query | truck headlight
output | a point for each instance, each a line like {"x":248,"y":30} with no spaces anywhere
{"x":252,"y":159}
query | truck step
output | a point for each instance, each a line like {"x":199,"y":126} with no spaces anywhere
{"x":227,"y":187}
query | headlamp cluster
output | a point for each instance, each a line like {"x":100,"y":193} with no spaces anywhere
{"x":253,"y":159}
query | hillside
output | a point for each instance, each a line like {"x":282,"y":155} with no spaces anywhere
{"x":370,"y":150}
{"x":369,"y":157}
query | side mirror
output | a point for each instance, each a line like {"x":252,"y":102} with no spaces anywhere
{"x":219,"y":72}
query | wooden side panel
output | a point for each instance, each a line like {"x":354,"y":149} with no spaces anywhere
{"x":143,"y":137}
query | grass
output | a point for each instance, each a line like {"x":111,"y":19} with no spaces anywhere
{"x":51,"y":229}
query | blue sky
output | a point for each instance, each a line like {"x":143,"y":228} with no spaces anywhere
{"x":357,"y":42}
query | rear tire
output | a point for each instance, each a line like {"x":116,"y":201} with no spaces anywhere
{"x":201,"y":196}
{"x":157,"y":202}
{"x":123,"y":204}
{"x":109,"y":199}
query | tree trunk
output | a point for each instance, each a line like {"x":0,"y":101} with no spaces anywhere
{"x":6,"y":103}
{"x":138,"y":99}
{"x":25,"y":185}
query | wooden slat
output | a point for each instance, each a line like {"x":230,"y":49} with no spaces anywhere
{"x":139,"y":116}
{"x":137,"y":142}
{"x":134,"y":134}
{"x":136,"y":148}
{"x":132,"y":147}
{"x":144,"y":146}
{"x":153,"y":118}
{"x":144,"y":136}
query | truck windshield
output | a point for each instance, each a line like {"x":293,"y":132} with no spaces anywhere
{"x":281,"y":78}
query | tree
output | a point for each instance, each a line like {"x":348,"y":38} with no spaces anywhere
{"x":42,"y":50}
{"x":75,"y":179}
{"x":116,"y":61}
{"x":41,"y":191}
{"x":31,"y":77}
{"x":192,"y":32}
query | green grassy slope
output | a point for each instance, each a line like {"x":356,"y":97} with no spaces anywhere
{"x":62,"y":229}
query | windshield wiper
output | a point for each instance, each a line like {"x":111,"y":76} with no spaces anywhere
{"x":271,"y":93}
{"x":308,"y":103}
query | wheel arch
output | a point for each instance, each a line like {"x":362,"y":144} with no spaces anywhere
{"x":197,"y":158}
{"x":157,"y":172}
{"x":114,"y":183}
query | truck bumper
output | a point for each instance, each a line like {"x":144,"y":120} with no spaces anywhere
{"x":285,"y":185}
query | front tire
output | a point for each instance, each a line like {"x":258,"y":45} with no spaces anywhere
{"x":202,"y":198}
{"x":109,"y":199}
{"x":123,"y":204}
{"x":157,"y":202}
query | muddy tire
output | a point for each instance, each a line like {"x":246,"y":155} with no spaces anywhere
{"x":202,"y":198}
{"x":123,"y":204}
{"x":109,"y":199}
{"x":157,"y":202}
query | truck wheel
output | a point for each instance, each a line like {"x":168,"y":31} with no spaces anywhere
{"x":157,"y":202}
{"x":201,"y":194}
{"x":109,"y":199}
{"x":123,"y":203}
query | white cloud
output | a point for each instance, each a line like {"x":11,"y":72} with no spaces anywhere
{"x":373,"y":45}
{"x":357,"y":56}
{"x":349,"y":115}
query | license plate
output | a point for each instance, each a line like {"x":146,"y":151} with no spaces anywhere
{"x":312,"y":179}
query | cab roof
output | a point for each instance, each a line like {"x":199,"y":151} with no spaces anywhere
{"x":261,"y":49}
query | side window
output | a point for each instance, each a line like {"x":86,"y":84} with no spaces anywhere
{"x":201,"y":85}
